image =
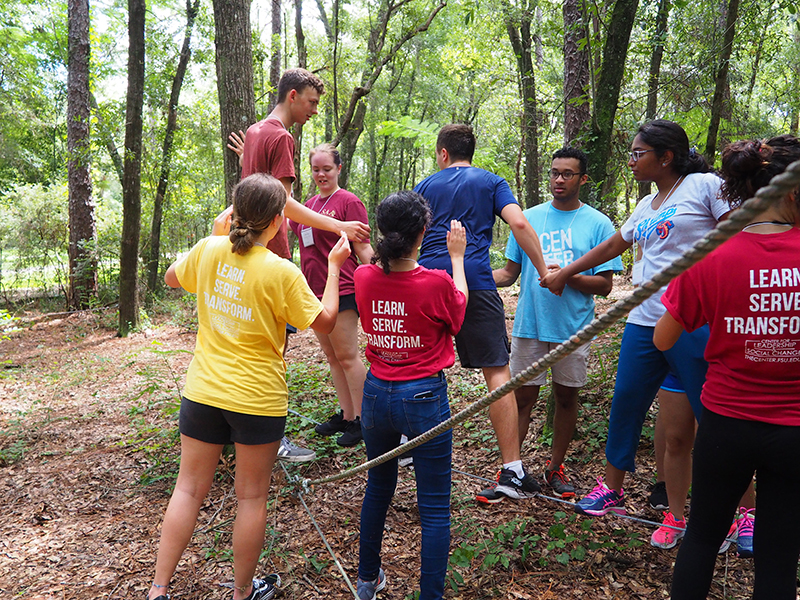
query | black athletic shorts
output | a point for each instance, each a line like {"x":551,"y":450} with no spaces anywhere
{"x":217,"y":426}
{"x":348,"y":302}
{"x":483,"y":341}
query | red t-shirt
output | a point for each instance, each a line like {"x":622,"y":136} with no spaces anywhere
{"x":269,"y":148}
{"x":408,"y":318}
{"x":748,"y":290}
{"x":341,"y":205}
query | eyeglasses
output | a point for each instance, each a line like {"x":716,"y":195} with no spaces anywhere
{"x":637,"y":154}
{"x":565,"y":175}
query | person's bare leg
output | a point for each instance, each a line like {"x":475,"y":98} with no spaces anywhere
{"x":679,"y":428}
{"x":564,"y":421}
{"x":503,"y":414}
{"x":344,"y":340}
{"x":338,"y":376}
{"x":660,"y":443}
{"x":195,"y":476}
{"x":526,"y":398}
{"x":253,"y":471}
{"x":614,"y":477}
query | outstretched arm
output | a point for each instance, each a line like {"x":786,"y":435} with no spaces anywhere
{"x":525,"y":235}
{"x":611,"y":248}
{"x":456,"y":246}
{"x":598,"y":285}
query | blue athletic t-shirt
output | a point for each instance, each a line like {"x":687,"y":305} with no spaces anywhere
{"x":565,"y":236}
{"x":474,"y":197}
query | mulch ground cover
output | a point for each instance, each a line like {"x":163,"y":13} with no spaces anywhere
{"x":88,"y":454}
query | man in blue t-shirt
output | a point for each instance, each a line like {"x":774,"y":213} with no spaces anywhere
{"x":568,"y":229}
{"x":475,"y":197}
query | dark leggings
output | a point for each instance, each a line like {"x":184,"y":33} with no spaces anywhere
{"x":726,"y":454}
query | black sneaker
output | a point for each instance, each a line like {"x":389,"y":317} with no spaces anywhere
{"x":334,"y":424}
{"x":509,"y":485}
{"x":264,"y":589}
{"x":658,"y":496}
{"x":558,"y":482}
{"x":352,"y":433}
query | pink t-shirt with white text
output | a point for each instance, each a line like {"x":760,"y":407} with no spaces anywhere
{"x":408,"y":318}
{"x":748,"y":290}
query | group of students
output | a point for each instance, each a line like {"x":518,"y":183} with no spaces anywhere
{"x":429,"y":279}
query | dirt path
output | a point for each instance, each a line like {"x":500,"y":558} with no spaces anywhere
{"x":87,"y":456}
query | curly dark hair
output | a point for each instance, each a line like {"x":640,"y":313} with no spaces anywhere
{"x":400,"y":217}
{"x":749,"y":165}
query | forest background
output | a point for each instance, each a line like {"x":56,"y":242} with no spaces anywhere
{"x":114,"y":117}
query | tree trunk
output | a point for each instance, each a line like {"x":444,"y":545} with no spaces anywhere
{"x":275,"y":53}
{"x":721,"y":81}
{"x":521,"y":43}
{"x":82,"y":229}
{"x":297,"y":131}
{"x":659,"y":39}
{"x":234,"y":60}
{"x":131,"y":181}
{"x":576,"y":73}
{"x":166,"y":153}
{"x":377,"y":58}
{"x":598,"y":146}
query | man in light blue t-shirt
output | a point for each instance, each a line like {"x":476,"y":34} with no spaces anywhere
{"x":567,"y":229}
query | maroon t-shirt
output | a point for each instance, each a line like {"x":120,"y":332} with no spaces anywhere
{"x":408,"y":318}
{"x":269,"y":148}
{"x":341,"y":205}
{"x":748,"y":291}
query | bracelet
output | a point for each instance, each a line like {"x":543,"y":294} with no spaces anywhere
{"x":161,"y":587}
{"x":333,"y":275}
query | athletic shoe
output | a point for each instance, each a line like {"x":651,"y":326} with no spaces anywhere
{"x":509,"y":485}
{"x":658,"y":496}
{"x":667,"y":535}
{"x":366,"y":590}
{"x":289,"y":452}
{"x":730,"y":538}
{"x":558,"y":482}
{"x":264,"y":589}
{"x":334,"y":424}
{"x":601,"y":501}
{"x":744,"y":525}
{"x":352,"y":434}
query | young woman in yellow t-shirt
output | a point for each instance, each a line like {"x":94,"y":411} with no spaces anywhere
{"x":236,"y":388}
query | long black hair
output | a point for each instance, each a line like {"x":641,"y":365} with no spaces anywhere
{"x":400,"y":217}
{"x":663,"y":135}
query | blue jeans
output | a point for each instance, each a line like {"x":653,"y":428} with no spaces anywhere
{"x":389,"y":409}
{"x":641,"y":370}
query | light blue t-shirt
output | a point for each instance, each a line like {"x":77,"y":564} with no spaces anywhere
{"x":565,"y":236}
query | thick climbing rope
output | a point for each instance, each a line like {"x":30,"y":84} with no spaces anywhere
{"x":779,"y":187}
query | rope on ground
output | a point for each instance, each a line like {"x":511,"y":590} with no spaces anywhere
{"x":780,"y":186}
{"x":321,"y":535}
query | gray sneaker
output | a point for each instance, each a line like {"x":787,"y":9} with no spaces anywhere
{"x":265,"y":589}
{"x":289,"y":452}
{"x":366,"y":590}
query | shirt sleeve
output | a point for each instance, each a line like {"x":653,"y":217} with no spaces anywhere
{"x":513,"y":251}
{"x":503,"y":196}
{"x":717,"y":205}
{"x":282,"y":164}
{"x":455,"y":306}
{"x":355,"y":210}
{"x":682,"y":301}
{"x":186,"y":269}
{"x":301,"y":305}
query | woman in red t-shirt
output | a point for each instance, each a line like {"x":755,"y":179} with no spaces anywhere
{"x":341,"y":345}
{"x":409,"y":315}
{"x":748,"y":291}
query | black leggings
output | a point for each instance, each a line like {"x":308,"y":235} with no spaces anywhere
{"x":726,"y":454}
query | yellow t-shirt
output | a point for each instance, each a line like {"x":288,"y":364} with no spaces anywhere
{"x":243,"y":305}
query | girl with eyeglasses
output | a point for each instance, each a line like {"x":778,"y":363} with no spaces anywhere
{"x":662,"y":227}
